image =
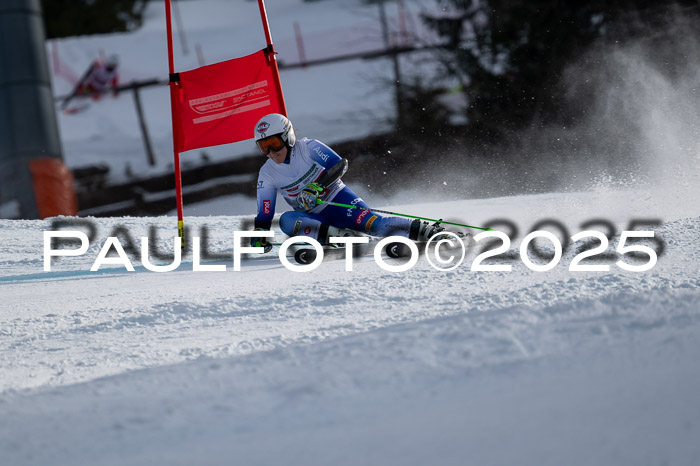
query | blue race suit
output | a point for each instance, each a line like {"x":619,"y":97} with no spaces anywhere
{"x":306,"y":163}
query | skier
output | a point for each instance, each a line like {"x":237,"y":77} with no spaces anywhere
{"x":97,"y":79}
{"x":100,"y":77}
{"x":307,"y":172}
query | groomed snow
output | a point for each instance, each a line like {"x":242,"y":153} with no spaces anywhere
{"x":268,"y":366}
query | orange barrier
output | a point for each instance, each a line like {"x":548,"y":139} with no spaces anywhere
{"x":54,"y":187}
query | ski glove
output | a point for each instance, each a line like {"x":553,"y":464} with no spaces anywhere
{"x":308,"y":197}
{"x":261,"y":242}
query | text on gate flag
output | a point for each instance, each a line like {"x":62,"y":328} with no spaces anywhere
{"x":220,"y":103}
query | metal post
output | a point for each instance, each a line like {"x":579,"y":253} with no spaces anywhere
{"x":28,"y":127}
{"x":180,"y":28}
{"x":300,"y":43}
{"x":200,"y":54}
{"x":395,"y":62}
{"x":142,"y":125}
{"x":402,"y":23}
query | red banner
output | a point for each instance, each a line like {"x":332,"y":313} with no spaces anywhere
{"x":220,"y":103}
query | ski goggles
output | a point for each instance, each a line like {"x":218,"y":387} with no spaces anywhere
{"x":274,"y":143}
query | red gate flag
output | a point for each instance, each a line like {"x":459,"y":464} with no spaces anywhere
{"x":220,"y":103}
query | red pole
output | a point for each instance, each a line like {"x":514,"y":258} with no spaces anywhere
{"x":271,"y":60}
{"x":266,"y":27}
{"x":300,"y":43}
{"x":174,"y":110}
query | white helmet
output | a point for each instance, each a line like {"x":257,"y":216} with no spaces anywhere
{"x":275,"y":124}
{"x":112,"y":61}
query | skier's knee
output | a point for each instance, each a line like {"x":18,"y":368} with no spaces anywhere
{"x":287,"y":221}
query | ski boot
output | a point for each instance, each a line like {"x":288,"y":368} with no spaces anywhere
{"x":423,"y":231}
{"x":329,"y":231}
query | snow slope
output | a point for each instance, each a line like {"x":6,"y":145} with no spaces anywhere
{"x":267,"y":366}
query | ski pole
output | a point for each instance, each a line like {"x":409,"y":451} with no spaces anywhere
{"x":338,"y":204}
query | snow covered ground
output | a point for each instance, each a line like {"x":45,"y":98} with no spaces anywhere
{"x":268,"y":366}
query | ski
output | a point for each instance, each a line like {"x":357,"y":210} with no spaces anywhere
{"x":306,"y":255}
{"x":76,"y":89}
{"x":76,"y":109}
{"x":398,"y":250}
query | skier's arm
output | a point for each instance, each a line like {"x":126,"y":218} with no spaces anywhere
{"x":78,"y":88}
{"x":312,"y":192}
{"x":334,"y":165}
{"x":322,"y":154}
{"x":89,"y":74}
{"x":334,"y":168}
{"x":333,"y":174}
{"x":267,"y":197}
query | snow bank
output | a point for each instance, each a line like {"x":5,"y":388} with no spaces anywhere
{"x":268,"y":366}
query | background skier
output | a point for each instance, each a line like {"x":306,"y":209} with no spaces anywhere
{"x":100,"y":77}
